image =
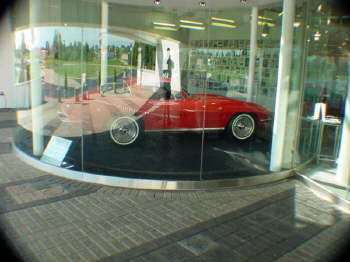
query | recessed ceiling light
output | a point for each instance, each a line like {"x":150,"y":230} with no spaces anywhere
{"x":186,"y":21}
{"x":165,"y":28}
{"x":193,"y":27}
{"x":296,"y":24}
{"x":223,"y":25}
{"x":219,"y":19}
{"x":164,"y":24}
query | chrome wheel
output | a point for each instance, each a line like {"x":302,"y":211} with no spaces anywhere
{"x":243,"y":126}
{"x":124,"y":130}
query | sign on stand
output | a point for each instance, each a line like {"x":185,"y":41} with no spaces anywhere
{"x":56,"y":150}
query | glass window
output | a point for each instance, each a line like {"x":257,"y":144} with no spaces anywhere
{"x":175,"y":92}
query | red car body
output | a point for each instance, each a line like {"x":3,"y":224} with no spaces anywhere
{"x":191,"y":112}
{"x":126,"y":117}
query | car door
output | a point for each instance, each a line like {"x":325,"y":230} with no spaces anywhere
{"x":163,"y":114}
{"x":213,"y":111}
{"x":192,"y":115}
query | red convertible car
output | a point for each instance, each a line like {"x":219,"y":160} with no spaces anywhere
{"x":181,"y":111}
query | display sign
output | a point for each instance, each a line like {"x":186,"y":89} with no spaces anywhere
{"x":56,"y":150}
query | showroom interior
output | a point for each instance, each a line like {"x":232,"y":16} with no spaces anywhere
{"x":180,"y":95}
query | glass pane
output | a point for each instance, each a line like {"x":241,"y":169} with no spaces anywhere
{"x":237,"y":139}
{"x":325,"y":84}
{"x":139,"y":89}
{"x":49,"y":116}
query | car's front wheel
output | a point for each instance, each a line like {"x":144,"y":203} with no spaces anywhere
{"x":124,"y":130}
{"x":241,"y":126}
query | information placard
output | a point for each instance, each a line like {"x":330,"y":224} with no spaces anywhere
{"x":56,"y":150}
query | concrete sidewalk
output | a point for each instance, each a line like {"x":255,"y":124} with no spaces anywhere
{"x":48,"y":218}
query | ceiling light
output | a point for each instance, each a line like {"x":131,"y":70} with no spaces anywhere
{"x":202,"y":3}
{"x":193,"y":27}
{"x":243,"y":1}
{"x":266,"y":23}
{"x":165,"y":28}
{"x":191,"y":22}
{"x":223,"y":25}
{"x":264,"y":18}
{"x":156,"y":2}
{"x":296,"y":24}
{"x":163,"y":24}
{"x":265,"y":31}
{"x":317,"y":36}
{"x":222,"y":20}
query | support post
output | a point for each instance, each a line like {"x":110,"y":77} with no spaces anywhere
{"x":159,"y":65}
{"x":104,"y":44}
{"x":295,"y":99}
{"x":283,"y":83}
{"x":252,"y":52}
{"x":139,"y":65}
{"x":36,"y":92}
{"x":343,"y":167}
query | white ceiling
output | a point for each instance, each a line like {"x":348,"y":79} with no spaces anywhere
{"x":195,"y":3}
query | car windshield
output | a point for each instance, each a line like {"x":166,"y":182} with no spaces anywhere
{"x":187,"y":93}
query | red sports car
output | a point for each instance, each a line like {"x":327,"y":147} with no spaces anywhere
{"x":181,"y":111}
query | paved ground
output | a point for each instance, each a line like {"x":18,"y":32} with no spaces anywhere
{"x":47,"y":218}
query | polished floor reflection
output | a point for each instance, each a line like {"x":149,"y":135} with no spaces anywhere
{"x":165,"y":155}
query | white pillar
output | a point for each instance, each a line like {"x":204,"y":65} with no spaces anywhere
{"x":159,"y":63}
{"x":139,"y":69}
{"x":283,"y":82}
{"x":104,"y":42}
{"x":35,"y":74}
{"x":252,"y":52}
{"x":343,"y":167}
{"x":7,"y":73}
{"x":292,"y":135}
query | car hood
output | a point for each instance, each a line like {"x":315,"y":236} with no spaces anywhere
{"x":228,"y":101}
{"x":212,"y":97}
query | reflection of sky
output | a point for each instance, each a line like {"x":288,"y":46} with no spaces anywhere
{"x":69,"y":35}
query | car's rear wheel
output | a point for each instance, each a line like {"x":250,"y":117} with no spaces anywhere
{"x":241,"y":126}
{"x":124,"y":130}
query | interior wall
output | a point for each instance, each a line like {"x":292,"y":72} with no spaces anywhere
{"x":7,"y":43}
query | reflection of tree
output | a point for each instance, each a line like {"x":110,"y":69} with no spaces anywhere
{"x":134,"y":54}
{"x":56,"y":44}
{"x":47,"y":47}
{"x":148,"y":55}
{"x":22,"y":53}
